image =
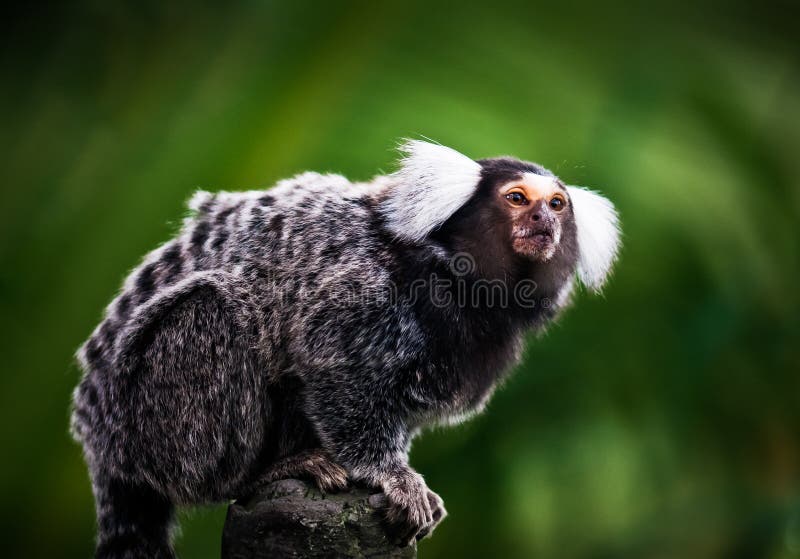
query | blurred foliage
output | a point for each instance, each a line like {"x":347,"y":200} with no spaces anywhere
{"x":658,"y":421}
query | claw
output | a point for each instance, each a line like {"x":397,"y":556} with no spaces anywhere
{"x":413,"y":510}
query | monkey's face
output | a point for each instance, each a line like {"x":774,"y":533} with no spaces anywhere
{"x":515,"y":218}
{"x":537,"y":208}
{"x":521,"y":214}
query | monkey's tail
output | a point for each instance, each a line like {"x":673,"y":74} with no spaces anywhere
{"x":133,"y":521}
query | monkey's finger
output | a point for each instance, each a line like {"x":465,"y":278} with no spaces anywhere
{"x":401,"y":533}
{"x":424,"y":533}
{"x":437,"y":507}
{"x":406,"y":530}
{"x":411,"y":536}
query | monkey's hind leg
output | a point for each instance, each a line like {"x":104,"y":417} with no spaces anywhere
{"x":314,"y":465}
{"x":134,"y":521}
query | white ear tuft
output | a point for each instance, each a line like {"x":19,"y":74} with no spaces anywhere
{"x":433,"y":182}
{"x":598,"y":235}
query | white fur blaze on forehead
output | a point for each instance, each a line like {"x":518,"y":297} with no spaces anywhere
{"x":432,"y":184}
{"x":598,"y":235}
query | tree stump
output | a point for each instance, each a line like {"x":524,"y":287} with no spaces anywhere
{"x":289,"y":518}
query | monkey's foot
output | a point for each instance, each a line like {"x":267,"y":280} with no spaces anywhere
{"x":413,"y":510}
{"x":313,"y":465}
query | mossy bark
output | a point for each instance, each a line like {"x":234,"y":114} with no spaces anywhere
{"x":290,"y":518}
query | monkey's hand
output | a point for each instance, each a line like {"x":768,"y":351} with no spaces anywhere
{"x":413,"y":510}
{"x":361,"y":429}
{"x":315,"y":465}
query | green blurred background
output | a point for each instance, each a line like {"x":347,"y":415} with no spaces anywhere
{"x":658,"y":421}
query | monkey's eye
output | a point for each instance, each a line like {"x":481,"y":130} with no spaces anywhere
{"x":516,"y":198}
{"x":557,"y":203}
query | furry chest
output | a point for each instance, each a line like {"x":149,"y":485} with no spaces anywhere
{"x":461,"y":384}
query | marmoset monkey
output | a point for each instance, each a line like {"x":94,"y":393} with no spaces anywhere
{"x":313,"y":329}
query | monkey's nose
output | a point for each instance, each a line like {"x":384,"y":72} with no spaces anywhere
{"x":538,"y":211}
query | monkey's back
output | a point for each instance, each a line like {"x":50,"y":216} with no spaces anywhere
{"x":226,"y":271}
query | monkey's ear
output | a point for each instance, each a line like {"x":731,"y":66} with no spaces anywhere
{"x":432,"y":183}
{"x":598,"y":235}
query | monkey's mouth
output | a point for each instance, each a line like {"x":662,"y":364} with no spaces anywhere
{"x":535,"y":242}
{"x":538,"y":235}
{"x":542,"y":236}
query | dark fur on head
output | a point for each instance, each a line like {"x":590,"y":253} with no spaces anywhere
{"x":483,"y":229}
{"x":313,"y":330}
